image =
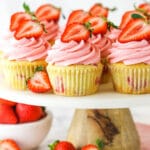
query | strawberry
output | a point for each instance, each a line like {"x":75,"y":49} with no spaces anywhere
{"x":7,"y":114}
{"x":27,"y":29}
{"x":127,"y":17}
{"x":4,"y":101}
{"x":77,"y":16}
{"x":145,"y":7}
{"x":76,"y":32}
{"x":135,"y":30}
{"x":48,"y":12}
{"x":39,"y":83}
{"x":9,"y":144}
{"x":89,"y":147}
{"x":29,"y":113}
{"x":62,"y":145}
{"x":98,"y":24}
{"x":17,"y":18}
{"x":99,"y":10}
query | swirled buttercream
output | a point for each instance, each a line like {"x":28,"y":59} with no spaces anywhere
{"x":113,"y":34}
{"x":103,"y":43}
{"x":64,"y":54}
{"x":51,"y":30}
{"x":130,"y":53}
{"x":29,"y":49}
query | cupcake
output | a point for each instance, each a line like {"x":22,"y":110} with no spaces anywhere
{"x":74,"y":66}
{"x":129,"y":59}
{"x":102,"y":42}
{"x":24,"y":50}
{"x":49,"y":16}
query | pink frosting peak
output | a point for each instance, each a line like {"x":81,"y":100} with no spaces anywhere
{"x":130,"y":53}
{"x":113,"y":34}
{"x":29,"y":49}
{"x":64,"y":54}
{"x":52,"y":29}
{"x":103,"y":43}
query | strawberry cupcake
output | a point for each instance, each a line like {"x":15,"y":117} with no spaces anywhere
{"x":101,"y":41}
{"x":74,"y":66}
{"x":23,"y":50}
{"x":129,"y":59}
{"x":49,"y":16}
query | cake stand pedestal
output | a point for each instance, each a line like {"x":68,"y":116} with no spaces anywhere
{"x":114,"y":127}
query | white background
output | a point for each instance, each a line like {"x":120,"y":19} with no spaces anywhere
{"x":62,"y":117}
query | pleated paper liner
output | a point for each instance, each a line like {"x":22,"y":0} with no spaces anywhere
{"x":16,"y":73}
{"x":131,"y":79}
{"x":75,"y":80}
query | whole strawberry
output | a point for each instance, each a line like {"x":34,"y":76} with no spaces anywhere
{"x":9,"y":144}
{"x":62,"y":145}
{"x":7,"y":114}
{"x":29,"y":113}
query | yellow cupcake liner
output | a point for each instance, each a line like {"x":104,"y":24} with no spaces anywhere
{"x":75,"y":80}
{"x":131,"y":79}
{"x":16,"y":73}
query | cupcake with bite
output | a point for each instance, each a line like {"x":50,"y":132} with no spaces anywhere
{"x":24,"y":50}
{"x":74,"y":66}
{"x":129,"y":59}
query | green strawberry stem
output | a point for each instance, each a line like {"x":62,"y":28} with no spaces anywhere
{"x":112,"y":9}
{"x":34,"y":18}
{"x":52,"y":146}
{"x":88,"y":26}
{"x":100,"y":144}
{"x":39,"y":68}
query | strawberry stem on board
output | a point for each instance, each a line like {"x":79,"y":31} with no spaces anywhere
{"x":52,"y":146}
{"x":100,"y":144}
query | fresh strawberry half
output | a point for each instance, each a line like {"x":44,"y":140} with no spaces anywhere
{"x":28,"y":29}
{"x":127,"y":17}
{"x":61,"y":145}
{"x":135,"y":30}
{"x":48,"y":12}
{"x":7,"y":114}
{"x":29,"y":113}
{"x":99,"y":10}
{"x":17,"y":18}
{"x":9,"y":144}
{"x":98,"y":24}
{"x":145,"y":7}
{"x":76,"y":32}
{"x":77,"y":16}
{"x":7,"y":102}
{"x":89,"y":147}
{"x":39,"y":83}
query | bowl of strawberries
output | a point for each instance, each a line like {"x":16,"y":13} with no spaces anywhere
{"x":25,"y":125}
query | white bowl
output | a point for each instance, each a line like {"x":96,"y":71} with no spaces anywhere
{"x":28,"y":135}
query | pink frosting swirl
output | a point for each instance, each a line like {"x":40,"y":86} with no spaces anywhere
{"x":130,"y":53}
{"x":25,"y":49}
{"x":103,"y":43}
{"x":64,"y":54}
{"x":52,"y":29}
{"x":113,"y":34}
